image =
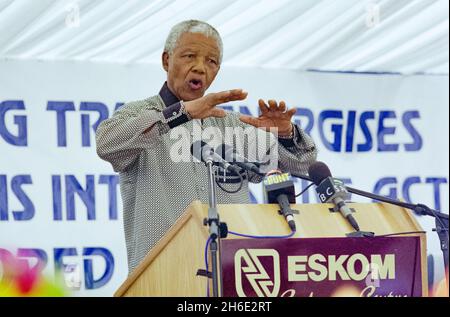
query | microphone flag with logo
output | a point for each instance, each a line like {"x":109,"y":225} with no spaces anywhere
{"x":279,"y":188}
{"x":332,"y":190}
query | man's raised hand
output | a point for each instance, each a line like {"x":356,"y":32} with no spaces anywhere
{"x":205,"y":106}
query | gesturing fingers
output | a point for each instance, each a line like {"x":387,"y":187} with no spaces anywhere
{"x":228,"y":95}
{"x":275,"y":109}
{"x":250,"y":120}
{"x":218,"y":113}
{"x":263,"y":107}
{"x":291,"y":112}
{"x":282,"y":106}
{"x":273,"y":105}
{"x":237,"y":94}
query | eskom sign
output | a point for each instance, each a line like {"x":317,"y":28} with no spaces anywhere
{"x":378,"y":266}
{"x":356,"y":267}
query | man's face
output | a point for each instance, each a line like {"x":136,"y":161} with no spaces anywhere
{"x":193,"y":66}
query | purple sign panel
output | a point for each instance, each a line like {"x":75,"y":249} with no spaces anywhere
{"x":377,"y":266}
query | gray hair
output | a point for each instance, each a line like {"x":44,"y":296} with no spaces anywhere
{"x":192,"y":26}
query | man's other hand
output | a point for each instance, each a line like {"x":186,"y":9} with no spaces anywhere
{"x":272,"y":116}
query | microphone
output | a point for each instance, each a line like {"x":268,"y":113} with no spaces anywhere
{"x":205,"y":153}
{"x":332,"y":190}
{"x":279,"y":188}
{"x":228,"y":153}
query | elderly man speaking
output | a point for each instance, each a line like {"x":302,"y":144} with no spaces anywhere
{"x":138,"y":139}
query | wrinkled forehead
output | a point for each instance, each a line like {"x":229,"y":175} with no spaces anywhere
{"x":198,"y":41}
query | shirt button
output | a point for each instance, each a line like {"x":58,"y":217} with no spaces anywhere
{"x":202,"y":188}
{"x":174,"y":113}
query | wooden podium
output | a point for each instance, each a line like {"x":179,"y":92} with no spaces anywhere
{"x":170,"y":268}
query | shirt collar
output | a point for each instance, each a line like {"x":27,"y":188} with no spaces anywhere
{"x":167,"y":96}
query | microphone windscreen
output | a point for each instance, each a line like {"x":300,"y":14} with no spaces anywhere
{"x":200,"y":149}
{"x":318,"y":171}
{"x":226,"y":152}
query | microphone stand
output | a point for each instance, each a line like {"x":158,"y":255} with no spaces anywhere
{"x":214,"y":227}
{"x":441,"y":219}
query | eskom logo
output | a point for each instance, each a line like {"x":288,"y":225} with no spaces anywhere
{"x":247,"y":262}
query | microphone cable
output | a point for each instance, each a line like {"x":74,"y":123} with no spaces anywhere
{"x":241,"y":183}
{"x":304,"y":190}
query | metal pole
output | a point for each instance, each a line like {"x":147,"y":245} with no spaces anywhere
{"x":213,"y":221}
{"x":212,"y":187}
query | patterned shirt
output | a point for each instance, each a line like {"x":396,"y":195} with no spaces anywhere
{"x":140,"y":140}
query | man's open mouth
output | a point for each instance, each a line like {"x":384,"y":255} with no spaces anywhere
{"x":195,"y":84}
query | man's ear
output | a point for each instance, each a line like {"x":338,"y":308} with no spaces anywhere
{"x":165,"y":61}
